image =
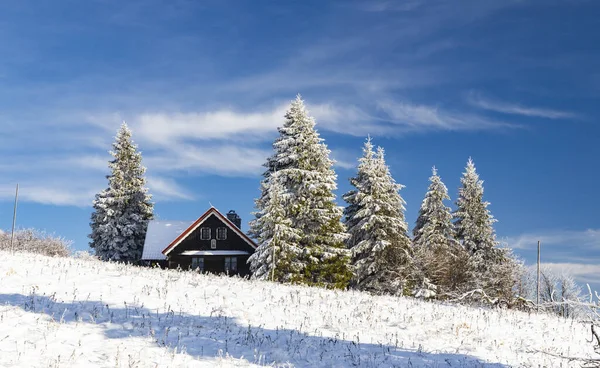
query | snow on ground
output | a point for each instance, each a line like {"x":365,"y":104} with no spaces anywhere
{"x":65,"y":312}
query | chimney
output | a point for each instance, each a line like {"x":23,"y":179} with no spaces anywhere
{"x":233,"y":217}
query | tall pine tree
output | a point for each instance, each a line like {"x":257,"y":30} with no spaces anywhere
{"x":434,"y":223}
{"x":302,"y":162}
{"x":122,"y":211}
{"x":274,"y":259}
{"x":473,"y":221}
{"x":380,"y":246}
{"x":491,"y":268}
{"x":440,"y":259}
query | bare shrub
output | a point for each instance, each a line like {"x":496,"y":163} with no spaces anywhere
{"x":36,"y":241}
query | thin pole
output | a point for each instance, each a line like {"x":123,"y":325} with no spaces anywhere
{"x":538,"y":277}
{"x":12,"y":233}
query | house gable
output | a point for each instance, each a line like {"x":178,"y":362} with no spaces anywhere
{"x":190,"y":238}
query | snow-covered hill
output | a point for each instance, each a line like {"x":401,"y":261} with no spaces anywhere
{"x":62,"y":312}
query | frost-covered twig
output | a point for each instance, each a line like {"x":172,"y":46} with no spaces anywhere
{"x":470,"y":294}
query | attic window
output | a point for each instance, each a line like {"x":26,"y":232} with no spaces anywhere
{"x":221,"y":233}
{"x":205,"y":233}
{"x":213,"y":244}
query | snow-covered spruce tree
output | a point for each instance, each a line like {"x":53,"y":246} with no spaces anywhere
{"x":122,"y":211}
{"x":306,"y":172}
{"x":434,"y":223}
{"x":473,"y":221}
{"x":491,"y":268}
{"x":380,"y":246}
{"x":437,"y":254}
{"x":278,"y":240}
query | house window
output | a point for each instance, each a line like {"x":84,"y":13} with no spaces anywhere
{"x":213,"y":244}
{"x":198,"y":263}
{"x":230,"y":264}
{"x":205,"y":233}
{"x":221,"y":233}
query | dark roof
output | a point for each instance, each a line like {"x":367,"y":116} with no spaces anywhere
{"x":199,"y":221}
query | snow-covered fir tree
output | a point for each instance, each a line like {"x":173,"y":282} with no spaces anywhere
{"x":491,"y":268}
{"x":436,"y":251}
{"x":302,"y":161}
{"x":122,"y":211}
{"x":473,"y":221}
{"x":274,"y":259}
{"x":434,"y":223}
{"x":374,"y":216}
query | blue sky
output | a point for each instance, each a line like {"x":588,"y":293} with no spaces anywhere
{"x":204,"y":84}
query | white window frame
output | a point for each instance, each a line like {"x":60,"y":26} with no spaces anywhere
{"x":213,"y":243}
{"x":202,"y":229}
{"x":221,"y":233}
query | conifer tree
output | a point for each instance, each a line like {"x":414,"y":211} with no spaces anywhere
{"x":473,"y":221}
{"x":306,"y":172}
{"x":434,"y":223}
{"x":491,"y":268}
{"x":122,"y":211}
{"x":436,"y":251}
{"x":380,"y":246}
{"x":278,"y":241}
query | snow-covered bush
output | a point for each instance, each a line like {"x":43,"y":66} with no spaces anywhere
{"x":36,"y":241}
{"x":559,"y":293}
{"x":84,"y":255}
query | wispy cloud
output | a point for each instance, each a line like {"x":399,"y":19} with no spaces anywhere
{"x":353,"y":81}
{"x":389,"y":5}
{"x":415,"y":117}
{"x":230,"y":142}
{"x":515,"y":109}
{"x":583,"y":273}
{"x":57,"y":192}
{"x":570,"y":239}
{"x":570,"y":251}
{"x":167,"y":188}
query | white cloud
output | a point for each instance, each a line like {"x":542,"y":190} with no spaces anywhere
{"x":205,"y":126}
{"x":225,"y":142}
{"x":166,"y":188}
{"x":344,"y":158}
{"x":586,"y":239}
{"x":216,"y":159}
{"x":412,"y":117}
{"x":570,"y":251}
{"x":583,"y":273}
{"x":53,"y":193}
{"x":515,"y":109}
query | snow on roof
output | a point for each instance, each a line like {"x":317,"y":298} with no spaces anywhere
{"x":159,"y":235}
{"x":214,"y":253}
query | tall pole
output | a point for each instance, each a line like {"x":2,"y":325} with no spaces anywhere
{"x":12,"y":233}
{"x":538,"y":278}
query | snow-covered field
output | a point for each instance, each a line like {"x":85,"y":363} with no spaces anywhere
{"x":63,"y":312}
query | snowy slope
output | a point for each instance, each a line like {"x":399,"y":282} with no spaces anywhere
{"x":77,"y":313}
